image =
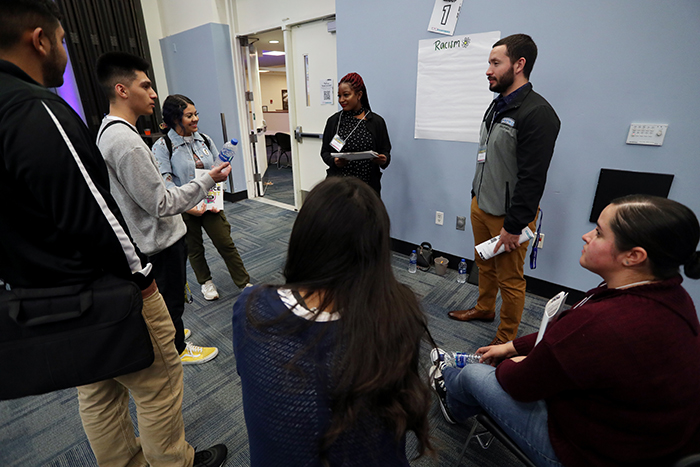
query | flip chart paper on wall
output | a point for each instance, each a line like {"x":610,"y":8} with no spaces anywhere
{"x":452,"y":92}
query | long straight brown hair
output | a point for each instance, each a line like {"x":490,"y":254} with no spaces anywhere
{"x":340,"y":249}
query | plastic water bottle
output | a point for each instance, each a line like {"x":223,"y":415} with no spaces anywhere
{"x":462,"y":269}
{"x":412,"y":261}
{"x":228,"y":152}
{"x":462,"y":359}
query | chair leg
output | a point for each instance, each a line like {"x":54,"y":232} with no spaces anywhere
{"x":466,"y":443}
{"x":487,"y":443}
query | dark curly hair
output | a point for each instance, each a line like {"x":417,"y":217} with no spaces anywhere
{"x":173,"y":109}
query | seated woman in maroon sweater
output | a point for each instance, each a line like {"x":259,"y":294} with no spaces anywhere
{"x":616,"y":378}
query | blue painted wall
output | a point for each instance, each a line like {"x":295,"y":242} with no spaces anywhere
{"x":198,"y":63}
{"x":601,"y":64}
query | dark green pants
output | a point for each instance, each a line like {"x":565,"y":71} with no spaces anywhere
{"x":219,"y":231}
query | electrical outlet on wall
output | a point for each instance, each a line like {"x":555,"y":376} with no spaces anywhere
{"x":439,"y":217}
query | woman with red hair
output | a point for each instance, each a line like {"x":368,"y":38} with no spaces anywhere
{"x":356,"y":129}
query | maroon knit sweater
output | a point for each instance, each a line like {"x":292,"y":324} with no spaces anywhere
{"x":620,"y":374}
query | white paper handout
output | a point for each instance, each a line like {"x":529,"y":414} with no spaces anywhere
{"x":554,"y":306}
{"x":215,"y":197}
{"x":485,"y":249}
{"x":444,"y":17}
{"x":452,"y":92}
{"x":355,"y":156}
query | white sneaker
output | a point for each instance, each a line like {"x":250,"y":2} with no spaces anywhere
{"x":209,"y":290}
{"x":194,"y":354}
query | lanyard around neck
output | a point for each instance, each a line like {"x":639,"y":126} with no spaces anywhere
{"x":337,"y":131}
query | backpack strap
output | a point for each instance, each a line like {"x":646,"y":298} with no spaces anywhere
{"x":169,"y":145}
{"x":114,"y":122}
{"x":206,"y":141}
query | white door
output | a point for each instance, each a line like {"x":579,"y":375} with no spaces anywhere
{"x":311,"y":59}
{"x":256,"y":130}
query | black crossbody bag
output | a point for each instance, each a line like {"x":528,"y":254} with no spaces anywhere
{"x":62,"y":337}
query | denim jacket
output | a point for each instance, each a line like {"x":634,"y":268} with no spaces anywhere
{"x":179,"y":169}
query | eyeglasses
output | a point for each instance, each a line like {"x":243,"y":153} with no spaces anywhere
{"x":533,"y":253}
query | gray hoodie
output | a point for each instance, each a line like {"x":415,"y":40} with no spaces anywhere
{"x":151,"y":210}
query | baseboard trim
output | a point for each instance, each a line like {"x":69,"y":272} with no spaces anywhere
{"x":234,"y":197}
{"x":535,"y":286}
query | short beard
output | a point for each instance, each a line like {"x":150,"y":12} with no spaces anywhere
{"x":52,"y":69}
{"x":504,"y":83}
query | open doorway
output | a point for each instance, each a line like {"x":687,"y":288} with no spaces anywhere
{"x":274,"y":103}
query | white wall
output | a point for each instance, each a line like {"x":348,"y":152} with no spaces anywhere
{"x":181,"y":15}
{"x":260,"y":15}
{"x":271,"y":86}
{"x":154,"y":30}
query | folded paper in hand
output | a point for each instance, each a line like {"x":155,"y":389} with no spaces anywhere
{"x":355,"y":156}
{"x":485,"y":249}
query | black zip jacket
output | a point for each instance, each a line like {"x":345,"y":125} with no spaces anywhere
{"x":59,"y":224}
{"x":519,"y":144}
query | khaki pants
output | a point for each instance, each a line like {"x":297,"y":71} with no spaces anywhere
{"x":503,"y":272}
{"x":157,"y":393}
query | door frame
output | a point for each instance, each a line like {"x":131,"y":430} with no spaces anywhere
{"x":242,"y":109}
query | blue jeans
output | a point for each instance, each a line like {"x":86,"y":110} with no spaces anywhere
{"x":474,"y":389}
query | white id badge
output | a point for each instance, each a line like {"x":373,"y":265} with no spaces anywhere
{"x":481,"y":155}
{"x":337,"y":143}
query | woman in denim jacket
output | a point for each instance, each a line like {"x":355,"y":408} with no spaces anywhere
{"x":193,"y":150}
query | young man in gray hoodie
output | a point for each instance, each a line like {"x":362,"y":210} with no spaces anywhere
{"x":152,"y":211}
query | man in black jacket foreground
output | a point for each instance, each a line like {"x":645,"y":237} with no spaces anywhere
{"x":70,"y":231}
{"x":516,"y":144}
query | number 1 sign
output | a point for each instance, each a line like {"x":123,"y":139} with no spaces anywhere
{"x":444,"y":17}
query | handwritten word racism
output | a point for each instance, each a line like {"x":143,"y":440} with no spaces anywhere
{"x":463,"y":43}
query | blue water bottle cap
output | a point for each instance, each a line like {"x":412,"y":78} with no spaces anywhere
{"x":234,"y":141}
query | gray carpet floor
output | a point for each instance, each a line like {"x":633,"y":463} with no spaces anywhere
{"x":46,"y":430}
{"x":279,"y":185}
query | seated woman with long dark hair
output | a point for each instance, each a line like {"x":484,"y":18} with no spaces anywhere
{"x":329,"y":360}
{"x":616,"y":378}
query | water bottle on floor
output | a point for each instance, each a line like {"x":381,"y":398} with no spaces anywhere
{"x":462,"y":270}
{"x":228,"y":152}
{"x":412,"y":261}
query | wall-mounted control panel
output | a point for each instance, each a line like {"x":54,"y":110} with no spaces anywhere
{"x":647,"y":134}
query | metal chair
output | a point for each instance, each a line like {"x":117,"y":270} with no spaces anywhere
{"x":492,"y":430}
{"x":270,"y":143}
{"x":284,"y":142}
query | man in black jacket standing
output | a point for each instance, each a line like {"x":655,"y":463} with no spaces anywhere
{"x":517,"y":140}
{"x":70,"y":231}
